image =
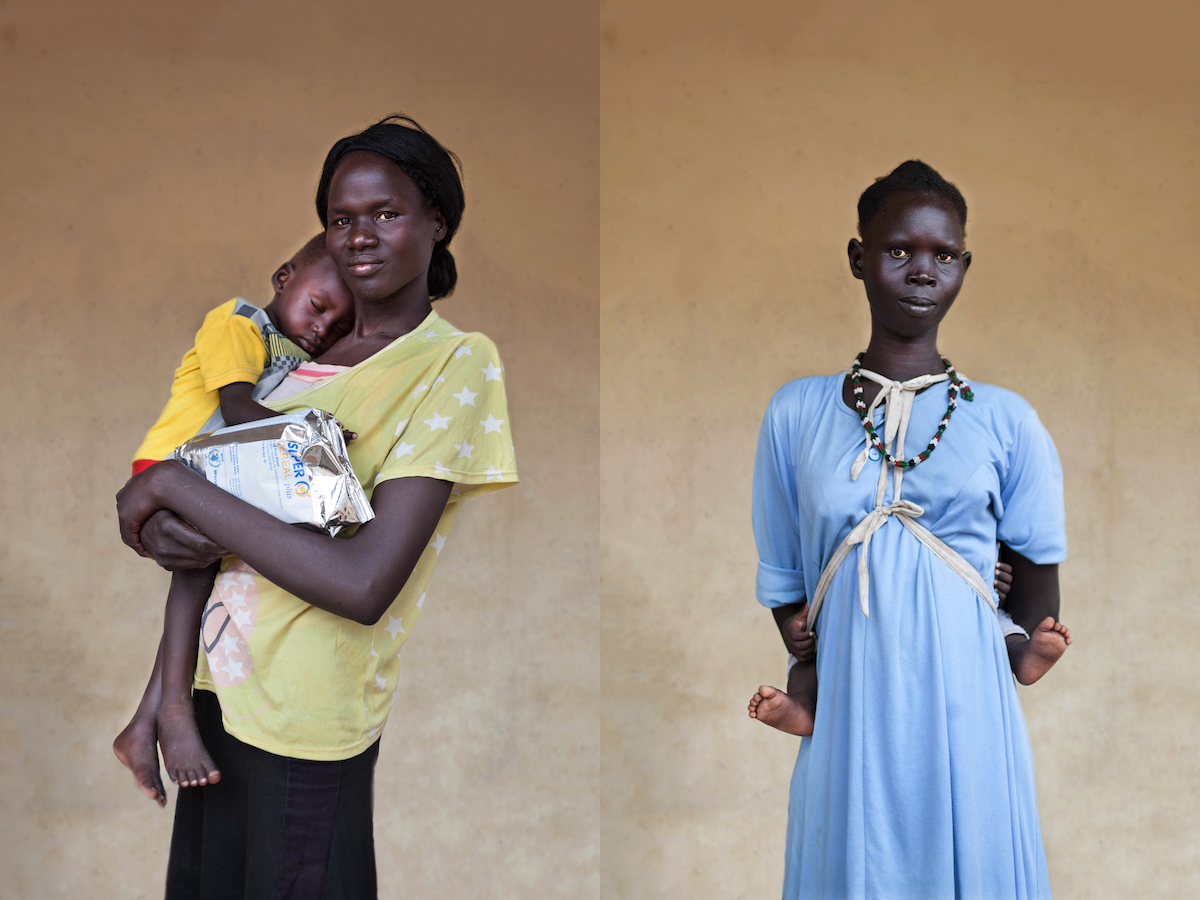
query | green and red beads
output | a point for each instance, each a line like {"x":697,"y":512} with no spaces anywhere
{"x":957,"y":386}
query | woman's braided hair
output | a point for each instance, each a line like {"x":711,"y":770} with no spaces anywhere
{"x":912,"y":177}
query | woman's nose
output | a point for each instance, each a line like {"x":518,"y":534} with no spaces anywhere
{"x":362,"y":236}
{"x":922,"y":276}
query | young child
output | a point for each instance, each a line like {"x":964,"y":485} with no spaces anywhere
{"x":241,"y":354}
{"x":1031,"y":657}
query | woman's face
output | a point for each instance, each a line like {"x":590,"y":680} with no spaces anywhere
{"x":912,"y":263}
{"x":381,"y":233}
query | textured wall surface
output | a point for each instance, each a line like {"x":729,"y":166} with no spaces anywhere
{"x":735,"y":141}
{"x":159,"y":159}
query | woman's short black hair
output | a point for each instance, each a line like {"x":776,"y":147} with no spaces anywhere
{"x":433,"y":168}
{"x":912,"y":177}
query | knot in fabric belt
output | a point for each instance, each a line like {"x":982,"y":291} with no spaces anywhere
{"x":862,"y":532}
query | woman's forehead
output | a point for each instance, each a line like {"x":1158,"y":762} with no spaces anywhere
{"x":916,"y":216}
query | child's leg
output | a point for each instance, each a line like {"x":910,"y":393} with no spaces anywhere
{"x":795,"y":711}
{"x":137,"y":746}
{"x":1031,"y":659}
{"x":188,"y":763}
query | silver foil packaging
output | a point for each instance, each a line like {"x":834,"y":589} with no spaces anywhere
{"x":294,"y":467}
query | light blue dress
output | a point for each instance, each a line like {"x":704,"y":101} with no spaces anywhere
{"x":918,"y":779}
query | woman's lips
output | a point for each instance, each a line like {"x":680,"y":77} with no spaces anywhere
{"x":918,"y":306}
{"x":361,"y":267}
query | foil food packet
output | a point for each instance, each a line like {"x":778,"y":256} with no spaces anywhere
{"x":294,"y":467}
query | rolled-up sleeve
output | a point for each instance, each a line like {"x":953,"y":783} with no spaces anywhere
{"x":780,"y":578}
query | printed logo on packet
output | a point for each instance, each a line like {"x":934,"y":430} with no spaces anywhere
{"x":228,"y":621}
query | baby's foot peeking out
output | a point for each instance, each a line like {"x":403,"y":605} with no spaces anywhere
{"x":779,"y":710}
{"x":1033,"y":658}
{"x":136,"y":748}
{"x":187,"y":761}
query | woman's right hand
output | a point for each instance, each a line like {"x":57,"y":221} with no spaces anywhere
{"x":174,"y":544}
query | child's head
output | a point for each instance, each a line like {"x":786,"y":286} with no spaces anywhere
{"x":394,"y":193}
{"x":910,"y":258}
{"x":312,"y":305}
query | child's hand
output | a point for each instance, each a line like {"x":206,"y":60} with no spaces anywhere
{"x":1003,"y":580}
{"x":348,"y":435}
{"x":801,"y":642}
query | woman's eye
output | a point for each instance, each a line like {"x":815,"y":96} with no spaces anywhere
{"x":387,"y":216}
{"x":897,"y":253}
{"x":945,"y":257}
{"x":341,"y":222}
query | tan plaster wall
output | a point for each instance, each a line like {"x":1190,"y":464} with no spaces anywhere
{"x":735,"y":141}
{"x":158,"y":159}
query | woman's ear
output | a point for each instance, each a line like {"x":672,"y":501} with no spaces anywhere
{"x":966,"y":258}
{"x":282,"y":276}
{"x":439,"y":225}
{"x":855,"y":252}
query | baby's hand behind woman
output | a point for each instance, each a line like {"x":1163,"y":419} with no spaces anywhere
{"x":800,"y":641}
{"x":1003,"y":579}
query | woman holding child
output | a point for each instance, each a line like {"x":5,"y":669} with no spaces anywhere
{"x":915,"y":778}
{"x":292,"y":696}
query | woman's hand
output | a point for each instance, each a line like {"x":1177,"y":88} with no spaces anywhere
{"x":152,"y":530}
{"x":174,"y":544}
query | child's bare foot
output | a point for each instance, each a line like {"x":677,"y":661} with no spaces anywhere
{"x":1033,"y":658}
{"x":136,"y":748}
{"x":775,"y":708}
{"x":187,"y":762}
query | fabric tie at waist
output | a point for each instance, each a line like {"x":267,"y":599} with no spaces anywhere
{"x":899,"y":397}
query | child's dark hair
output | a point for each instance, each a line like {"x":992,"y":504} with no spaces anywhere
{"x":912,"y":177}
{"x":433,"y":168}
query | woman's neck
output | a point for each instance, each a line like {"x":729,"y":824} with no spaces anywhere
{"x":901,"y":358}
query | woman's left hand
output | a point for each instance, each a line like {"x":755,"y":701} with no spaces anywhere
{"x":139,"y":500}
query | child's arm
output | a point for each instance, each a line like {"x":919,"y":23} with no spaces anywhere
{"x":236,"y":406}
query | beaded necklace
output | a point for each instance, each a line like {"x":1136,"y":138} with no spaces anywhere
{"x":957,"y":386}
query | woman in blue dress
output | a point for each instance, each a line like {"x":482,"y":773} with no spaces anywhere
{"x":916,"y":778}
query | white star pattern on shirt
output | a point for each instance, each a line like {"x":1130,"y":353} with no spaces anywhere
{"x":401,"y":425}
{"x":492,"y":473}
{"x":492,"y":424}
{"x":404,"y":449}
{"x":464,"y":449}
{"x":241,"y":618}
{"x":230,"y":643}
{"x":380,"y":682}
{"x":440,"y":379}
{"x":237,"y":599}
{"x":233,"y":668}
{"x":439,"y":468}
{"x":463,"y":350}
{"x":395,"y":626}
{"x":438,"y":422}
{"x":373,"y":731}
{"x":491,"y":373}
{"x":465,"y":397}
{"x":373,"y":653}
{"x":421,"y":600}
{"x":416,"y":393}
{"x":438,"y":542}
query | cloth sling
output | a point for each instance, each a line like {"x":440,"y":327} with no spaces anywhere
{"x":899,"y":396}
{"x":282,"y":357}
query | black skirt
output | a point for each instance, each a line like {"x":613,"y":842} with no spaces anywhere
{"x":273,"y":827}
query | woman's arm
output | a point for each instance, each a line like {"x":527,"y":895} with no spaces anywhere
{"x":1033,"y":594}
{"x":356,"y":578}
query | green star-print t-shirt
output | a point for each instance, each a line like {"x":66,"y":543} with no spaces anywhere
{"x":298,"y":681}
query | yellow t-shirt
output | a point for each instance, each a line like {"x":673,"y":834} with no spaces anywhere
{"x":298,"y":681}
{"x":228,"y":349}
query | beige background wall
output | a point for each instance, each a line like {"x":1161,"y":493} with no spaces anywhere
{"x":735,"y":141}
{"x":157,"y":162}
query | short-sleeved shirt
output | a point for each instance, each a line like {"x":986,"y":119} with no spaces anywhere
{"x":235,"y":344}
{"x":296,"y":680}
